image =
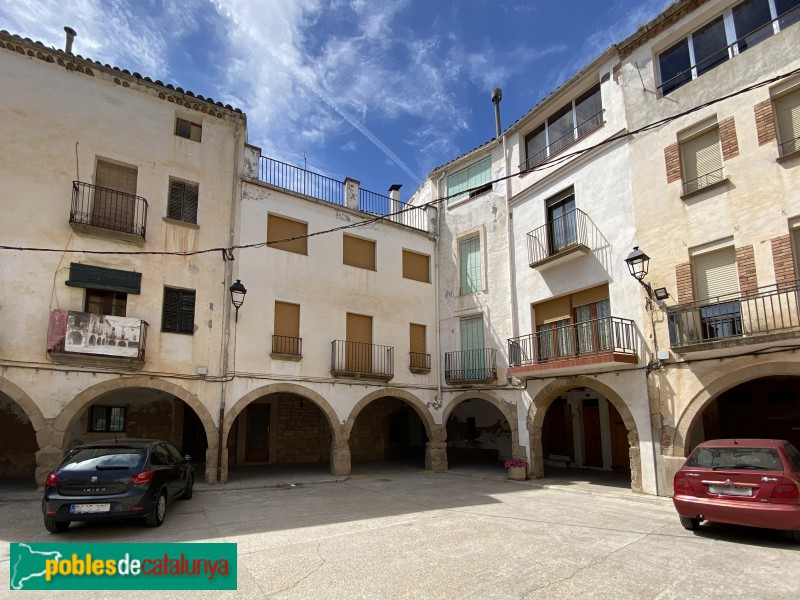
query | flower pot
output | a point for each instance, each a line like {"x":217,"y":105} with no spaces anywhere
{"x":517,"y":473}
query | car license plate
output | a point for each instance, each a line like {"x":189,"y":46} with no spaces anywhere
{"x":730,"y":490}
{"x":82,"y":509}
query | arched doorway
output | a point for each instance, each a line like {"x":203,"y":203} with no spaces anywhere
{"x":767,"y":407}
{"x":18,"y":445}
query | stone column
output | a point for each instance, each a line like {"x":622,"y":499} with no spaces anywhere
{"x":436,"y":457}
{"x":211,"y":465}
{"x":340,"y":458}
{"x":351,"y":193}
{"x":50,"y":452}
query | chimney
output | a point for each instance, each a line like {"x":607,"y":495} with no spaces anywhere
{"x":497,"y":95}
{"x":397,"y":205}
{"x":70,"y":36}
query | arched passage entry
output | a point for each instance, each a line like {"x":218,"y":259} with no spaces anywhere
{"x":481,"y":431}
{"x":394,"y":428}
{"x":20,"y":419}
{"x":583,"y":423}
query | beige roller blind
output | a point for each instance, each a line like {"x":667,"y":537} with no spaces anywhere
{"x":359,"y":328}
{"x":416,"y":266}
{"x":715,"y":274}
{"x":281,"y":228}
{"x":358,"y":252}
{"x":287,"y":319}
{"x":552,"y":310}
{"x":116,"y":177}
{"x":417,"y":338}
{"x":590,"y":296}
{"x":701,"y":156}
{"x":787,"y":116}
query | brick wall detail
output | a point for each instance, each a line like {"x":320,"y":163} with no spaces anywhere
{"x":765,"y":122}
{"x":727,"y":138}
{"x":746,"y":264}
{"x":672,"y":157}
{"x":782,"y":259}
{"x":683,"y":277}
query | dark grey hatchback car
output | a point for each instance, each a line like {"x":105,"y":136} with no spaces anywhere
{"x":111,"y":479}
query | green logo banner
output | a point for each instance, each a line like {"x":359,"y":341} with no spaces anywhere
{"x":122,"y":566}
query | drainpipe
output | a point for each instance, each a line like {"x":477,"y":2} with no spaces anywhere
{"x":226,"y":305}
{"x":439,"y":217}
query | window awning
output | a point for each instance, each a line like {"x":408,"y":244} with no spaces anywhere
{"x":101,"y":278}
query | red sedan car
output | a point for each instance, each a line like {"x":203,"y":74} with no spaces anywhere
{"x":742,"y":482}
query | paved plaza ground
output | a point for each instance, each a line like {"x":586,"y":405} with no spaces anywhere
{"x":463,"y":534}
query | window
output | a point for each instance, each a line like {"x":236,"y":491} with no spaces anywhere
{"x":571,"y":122}
{"x":787,"y":120}
{"x":416,"y":266}
{"x":178,"y":314}
{"x":358,"y":351}
{"x":473,"y":358}
{"x":187,"y":129}
{"x":183,"y":201}
{"x":358,"y":252}
{"x":469,"y":256}
{"x":573,"y":325}
{"x":561,"y":222}
{"x":294,"y":232}
{"x":419,"y":358}
{"x":724,"y":37}
{"x":105,"y":302}
{"x":286,"y":336}
{"x":701,"y":161}
{"x":716,"y":288}
{"x":466,"y":183}
{"x":114,"y":204}
{"x":107,"y":418}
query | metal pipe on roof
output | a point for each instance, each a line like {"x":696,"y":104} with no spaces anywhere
{"x":70,"y":36}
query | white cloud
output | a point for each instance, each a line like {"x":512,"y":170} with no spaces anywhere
{"x":348,"y":147}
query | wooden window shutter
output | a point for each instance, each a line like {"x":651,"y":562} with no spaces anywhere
{"x":470,"y":265}
{"x":787,"y":116}
{"x":715,"y":274}
{"x":358,"y":252}
{"x":178,"y":315}
{"x":183,"y":200}
{"x":700,"y":156}
{"x":280,"y":228}
{"x":416,"y":266}
{"x":417,"y":338}
{"x":287,"y":319}
{"x":359,"y":328}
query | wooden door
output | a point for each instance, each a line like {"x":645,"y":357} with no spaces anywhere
{"x":593,"y":446}
{"x":620,"y":453}
{"x":358,"y":358}
{"x":257,"y":443}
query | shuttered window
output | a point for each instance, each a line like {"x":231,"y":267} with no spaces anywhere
{"x":358,"y":351}
{"x":359,"y":328}
{"x":358,"y":252}
{"x":417,"y":338}
{"x":281,"y":228}
{"x":472,"y":333}
{"x":701,"y":159}
{"x":416,"y":266}
{"x":116,"y":177}
{"x":178,"y":316}
{"x":715,"y":274}
{"x":101,"y":278}
{"x":469,"y":252}
{"x":476,"y":177}
{"x":287,"y":319}
{"x":787,"y":117}
{"x":183,"y":201}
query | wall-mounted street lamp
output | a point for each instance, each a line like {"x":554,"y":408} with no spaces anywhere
{"x":638,"y":265}
{"x":237,"y":296}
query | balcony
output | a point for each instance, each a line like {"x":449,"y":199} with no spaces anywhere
{"x":764,"y":316}
{"x":109,"y":213}
{"x":470,"y":366}
{"x":87,"y":339}
{"x":287,"y":348}
{"x":360,"y":360}
{"x":419,"y":363}
{"x":604,"y":344}
{"x":559,"y":240}
{"x":703,"y":182}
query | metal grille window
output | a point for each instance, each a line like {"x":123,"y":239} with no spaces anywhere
{"x":187,"y":129}
{"x":471,"y":181}
{"x":178,"y":316}
{"x":701,"y":161}
{"x":183,"y":200}
{"x":416,"y":266}
{"x":469,"y":252}
{"x":358,"y":252}
{"x":294,"y":232}
{"x":107,"y":418}
{"x":787,"y":119}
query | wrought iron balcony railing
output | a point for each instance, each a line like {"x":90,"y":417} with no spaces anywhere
{"x":419,"y":362}
{"x":557,"y":236}
{"x":108,"y":209}
{"x":291,"y":346}
{"x":470,"y":365}
{"x":359,"y":359}
{"x":398,"y":211}
{"x":789,"y":146}
{"x":91,"y":335}
{"x":574,"y":134}
{"x":698,"y":183}
{"x":765,"y":311}
{"x":589,"y":338}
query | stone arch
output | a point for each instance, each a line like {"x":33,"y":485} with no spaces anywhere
{"x":550,"y":392}
{"x":433,"y":430}
{"x":70,"y":413}
{"x":509,"y":411}
{"x":47,"y":453}
{"x":25,"y":402}
{"x":724,"y":379}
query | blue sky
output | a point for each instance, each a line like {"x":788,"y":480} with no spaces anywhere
{"x":380,"y":91}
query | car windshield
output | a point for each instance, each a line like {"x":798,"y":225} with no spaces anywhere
{"x":87,"y":459}
{"x":736,"y":458}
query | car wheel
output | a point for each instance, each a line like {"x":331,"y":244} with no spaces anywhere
{"x":189,"y":491}
{"x":55,"y":526}
{"x":156,"y":516}
{"x":689,"y":523}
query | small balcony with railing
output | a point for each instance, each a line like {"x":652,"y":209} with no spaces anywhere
{"x":419,"y":363}
{"x":707,"y":180}
{"x":603,"y":344}
{"x":88,"y":339}
{"x":561,"y":240}
{"x":768,"y":315}
{"x":470,"y":366}
{"x":287,"y":348}
{"x":360,"y":360}
{"x":108,"y":213}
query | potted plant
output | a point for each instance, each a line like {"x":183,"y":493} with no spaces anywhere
{"x":517,"y":469}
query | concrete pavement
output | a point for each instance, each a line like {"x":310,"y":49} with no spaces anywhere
{"x":467,"y":535}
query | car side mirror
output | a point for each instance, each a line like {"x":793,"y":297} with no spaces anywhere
{"x":187,"y":458}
